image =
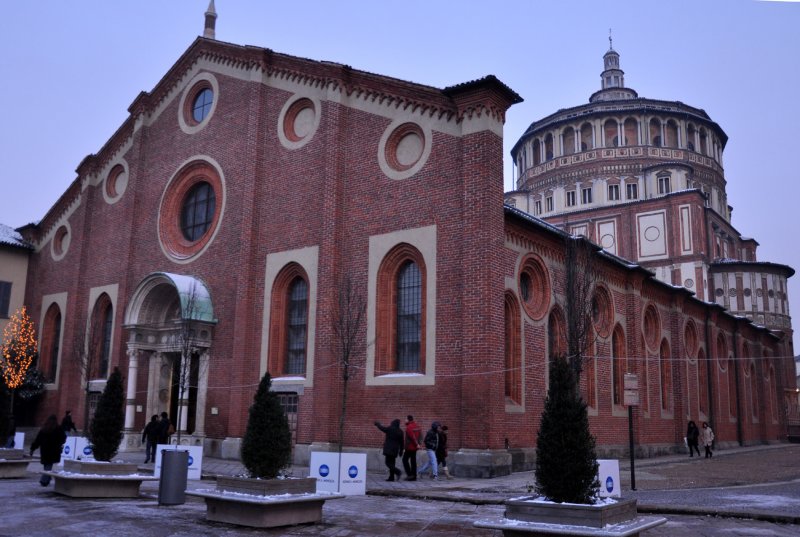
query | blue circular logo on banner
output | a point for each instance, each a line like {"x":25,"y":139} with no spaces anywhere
{"x":87,"y":450}
{"x":324,"y":470}
{"x":191,"y":460}
{"x":352,"y":471}
{"x":609,"y":484}
{"x":66,"y":450}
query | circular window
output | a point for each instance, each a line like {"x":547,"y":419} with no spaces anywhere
{"x":298,"y":121}
{"x":602,"y":311}
{"x":534,"y":287}
{"x":404,"y":149}
{"x":652,"y":327}
{"x":690,"y":339}
{"x":191,"y":210}
{"x":719,"y":291}
{"x":201,"y":105}
{"x":771,"y":293}
{"x":747,"y":292}
{"x":116,"y":183}
{"x":198,"y":103}
{"x":60,"y":243}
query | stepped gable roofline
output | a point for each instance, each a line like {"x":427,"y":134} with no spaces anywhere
{"x":11,"y":237}
{"x":726,"y":265}
{"x":627,"y":106}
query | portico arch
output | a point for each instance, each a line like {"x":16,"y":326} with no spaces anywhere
{"x":170,"y":319}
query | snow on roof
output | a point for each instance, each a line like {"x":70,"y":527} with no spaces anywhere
{"x":10,"y":236}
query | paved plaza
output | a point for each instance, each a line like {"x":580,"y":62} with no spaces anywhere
{"x":745,"y":491}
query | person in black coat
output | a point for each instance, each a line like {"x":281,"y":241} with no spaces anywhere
{"x":692,"y":438}
{"x":67,"y":424}
{"x":50,"y":439}
{"x":150,"y":439}
{"x":392,"y":446}
{"x":165,"y":429}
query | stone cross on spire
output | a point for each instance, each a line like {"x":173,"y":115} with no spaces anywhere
{"x":610,"y":43}
{"x":211,"y":22}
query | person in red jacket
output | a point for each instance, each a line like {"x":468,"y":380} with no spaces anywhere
{"x":413,"y":434}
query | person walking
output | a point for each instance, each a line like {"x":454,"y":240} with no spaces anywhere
{"x":392,"y":446}
{"x":67,"y":424}
{"x":692,"y":436}
{"x":708,"y":440}
{"x":412,"y":444}
{"x":50,"y":439}
{"x":431,"y":443}
{"x":165,"y":429}
{"x":150,"y":439}
{"x":441,"y":451}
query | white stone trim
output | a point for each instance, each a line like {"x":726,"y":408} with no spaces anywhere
{"x":308,"y":258}
{"x":188,"y":90}
{"x":60,"y":300}
{"x":286,"y":142}
{"x":424,"y":240}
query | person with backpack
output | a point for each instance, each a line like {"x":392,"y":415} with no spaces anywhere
{"x":431,"y":444}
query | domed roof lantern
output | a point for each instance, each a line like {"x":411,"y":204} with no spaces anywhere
{"x":612,"y":79}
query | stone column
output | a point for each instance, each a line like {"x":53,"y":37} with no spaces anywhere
{"x":130,"y":403}
{"x":202,"y":395}
{"x":620,"y":135}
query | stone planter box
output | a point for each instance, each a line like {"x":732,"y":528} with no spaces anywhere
{"x":13,"y":464}
{"x":528,"y":518}
{"x":264,"y":503}
{"x":84,"y":479}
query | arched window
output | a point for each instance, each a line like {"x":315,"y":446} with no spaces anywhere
{"x":101,"y":332}
{"x":631,"y":128}
{"x":610,"y":133}
{"x":587,"y":141}
{"x":671,"y":132}
{"x":513,"y":355}
{"x":619,"y":365}
{"x":755,"y":408}
{"x":569,"y":141}
{"x":655,"y":132}
{"x":771,"y":394}
{"x":409,"y":313}
{"x":703,"y":142}
{"x":556,"y":332}
{"x":51,"y":343}
{"x":548,"y":147}
{"x":400,"y":338}
{"x":537,"y":152}
{"x":691,"y":133}
{"x":731,"y":388}
{"x":665,"y":371}
{"x":288,"y":332}
{"x":702,"y":381}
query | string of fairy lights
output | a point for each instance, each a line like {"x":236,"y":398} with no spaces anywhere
{"x":19,"y":349}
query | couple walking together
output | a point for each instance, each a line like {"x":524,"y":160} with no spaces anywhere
{"x":396,"y":444}
{"x":694,"y":436}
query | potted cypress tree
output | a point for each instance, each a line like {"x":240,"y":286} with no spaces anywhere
{"x":102,"y":478}
{"x":265,"y":498}
{"x":566,"y":473}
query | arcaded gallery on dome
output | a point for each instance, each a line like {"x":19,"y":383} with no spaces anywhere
{"x":250,"y":191}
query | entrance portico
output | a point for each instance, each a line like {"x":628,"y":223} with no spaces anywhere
{"x":171,"y":322}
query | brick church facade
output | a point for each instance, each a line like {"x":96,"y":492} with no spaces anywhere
{"x":249,"y":192}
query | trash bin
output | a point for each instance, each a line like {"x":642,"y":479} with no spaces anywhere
{"x":174,"y":472}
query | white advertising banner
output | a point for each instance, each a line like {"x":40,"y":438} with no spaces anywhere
{"x":19,"y":440}
{"x":325,"y":467}
{"x":195,"y":459}
{"x":349,"y":477}
{"x":83,"y":449}
{"x":353,"y":477}
{"x":68,"y":449}
{"x":608,"y":475}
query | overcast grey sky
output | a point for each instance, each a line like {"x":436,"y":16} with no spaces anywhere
{"x":71,"y":69}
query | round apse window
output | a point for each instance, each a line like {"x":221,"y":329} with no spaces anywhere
{"x":201,"y":106}
{"x":197,"y":212}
